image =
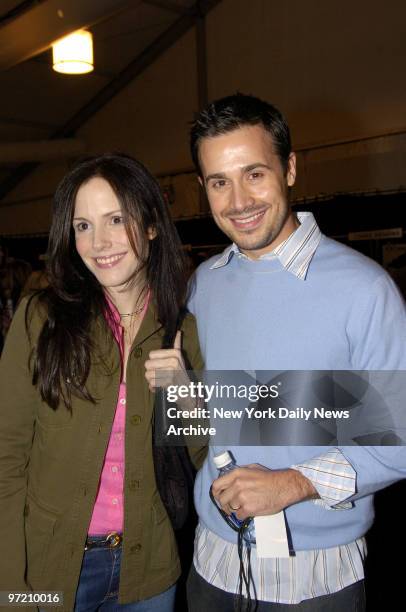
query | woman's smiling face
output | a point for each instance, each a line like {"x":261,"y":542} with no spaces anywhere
{"x":101,"y":235}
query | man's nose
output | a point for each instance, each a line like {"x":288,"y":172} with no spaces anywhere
{"x":242,"y":198}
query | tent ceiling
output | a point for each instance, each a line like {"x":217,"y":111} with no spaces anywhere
{"x":37,"y":103}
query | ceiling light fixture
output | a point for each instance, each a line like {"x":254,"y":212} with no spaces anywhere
{"x":73,"y":54}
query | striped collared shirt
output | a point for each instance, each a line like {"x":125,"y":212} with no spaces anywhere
{"x":295,"y":253}
{"x":310,"y":573}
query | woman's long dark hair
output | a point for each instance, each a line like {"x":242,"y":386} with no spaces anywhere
{"x":61,"y":359}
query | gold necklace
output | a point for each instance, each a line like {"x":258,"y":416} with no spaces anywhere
{"x":132,"y":314}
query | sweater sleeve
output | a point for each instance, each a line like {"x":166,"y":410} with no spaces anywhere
{"x":17,"y":418}
{"x":376,"y":327}
{"x":377,"y":336}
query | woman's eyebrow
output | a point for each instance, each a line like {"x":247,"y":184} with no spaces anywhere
{"x":107,"y":214}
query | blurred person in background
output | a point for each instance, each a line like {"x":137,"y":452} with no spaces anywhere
{"x":3,"y":255}
{"x":397,"y":269}
{"x":37,"y":279}
{"x":3,"y":259}
{"x":12,"y":280}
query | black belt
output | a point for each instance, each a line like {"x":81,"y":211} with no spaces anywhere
{"x":112,"y":540}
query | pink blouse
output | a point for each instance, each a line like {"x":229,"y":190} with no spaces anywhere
{"x":108,"y":511}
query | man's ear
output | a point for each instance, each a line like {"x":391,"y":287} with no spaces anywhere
{"x":199,"y":178}
{"x":151,"y":232}
{"x":291,"y":170}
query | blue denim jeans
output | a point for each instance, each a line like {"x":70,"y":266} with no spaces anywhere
{"x":99,"y":581}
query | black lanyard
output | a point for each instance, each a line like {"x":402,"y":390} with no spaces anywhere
{"x":244,"y":603}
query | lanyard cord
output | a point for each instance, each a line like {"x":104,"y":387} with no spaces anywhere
{"x":245,"y":604}
{"x":245,"y":577}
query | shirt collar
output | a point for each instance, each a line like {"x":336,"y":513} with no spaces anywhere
{"x":111,"y":312}
{"x":295,"y":253}
{"x":113,"y":319}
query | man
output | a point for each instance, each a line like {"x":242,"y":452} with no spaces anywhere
{"x":285,"y":297}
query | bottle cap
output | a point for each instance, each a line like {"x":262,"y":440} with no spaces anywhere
{"x":222,"y":460}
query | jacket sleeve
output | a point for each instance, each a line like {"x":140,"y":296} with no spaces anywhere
{"x":194,"y":360}
{"x":17,"y":417}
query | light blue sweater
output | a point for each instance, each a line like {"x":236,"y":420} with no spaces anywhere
{"x":346,"y":315}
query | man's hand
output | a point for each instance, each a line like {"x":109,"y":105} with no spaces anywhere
{"x":166,"y":367}
{"x":254,"y":490}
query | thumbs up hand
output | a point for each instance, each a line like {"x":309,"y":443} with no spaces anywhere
{"x":166,"y":367}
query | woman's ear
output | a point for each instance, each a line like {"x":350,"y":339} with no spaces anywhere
{"x":151,"y":232}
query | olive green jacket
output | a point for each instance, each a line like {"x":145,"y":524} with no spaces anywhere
{"x":51,"y":461}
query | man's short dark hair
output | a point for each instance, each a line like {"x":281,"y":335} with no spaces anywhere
{"x":236,"y":111}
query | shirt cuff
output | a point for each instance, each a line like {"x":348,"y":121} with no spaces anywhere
{"x":333,"y":477}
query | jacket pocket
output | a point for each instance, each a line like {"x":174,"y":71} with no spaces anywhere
{"x":159,"y":513}
{"x":48,"y":418}
{"x":163,"y":549}
{"x":39,"y":530}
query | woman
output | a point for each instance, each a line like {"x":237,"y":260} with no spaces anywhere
{"x":79,"y":505}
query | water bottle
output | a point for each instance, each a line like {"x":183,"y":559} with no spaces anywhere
{"x":225,"y":463}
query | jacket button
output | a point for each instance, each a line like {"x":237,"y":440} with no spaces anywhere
{"x":135,"y":419}
{"x":136,"y":548}
{"x":138,"y":352}
{"x":134,"y":485}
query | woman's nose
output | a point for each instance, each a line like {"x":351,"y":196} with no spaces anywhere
{"x":101,"y":238}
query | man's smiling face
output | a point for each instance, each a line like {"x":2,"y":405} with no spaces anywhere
{"x":248,"y":189}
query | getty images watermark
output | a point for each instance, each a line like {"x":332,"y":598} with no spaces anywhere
{"x":252,"y":393}
{"x":292,"y":407}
